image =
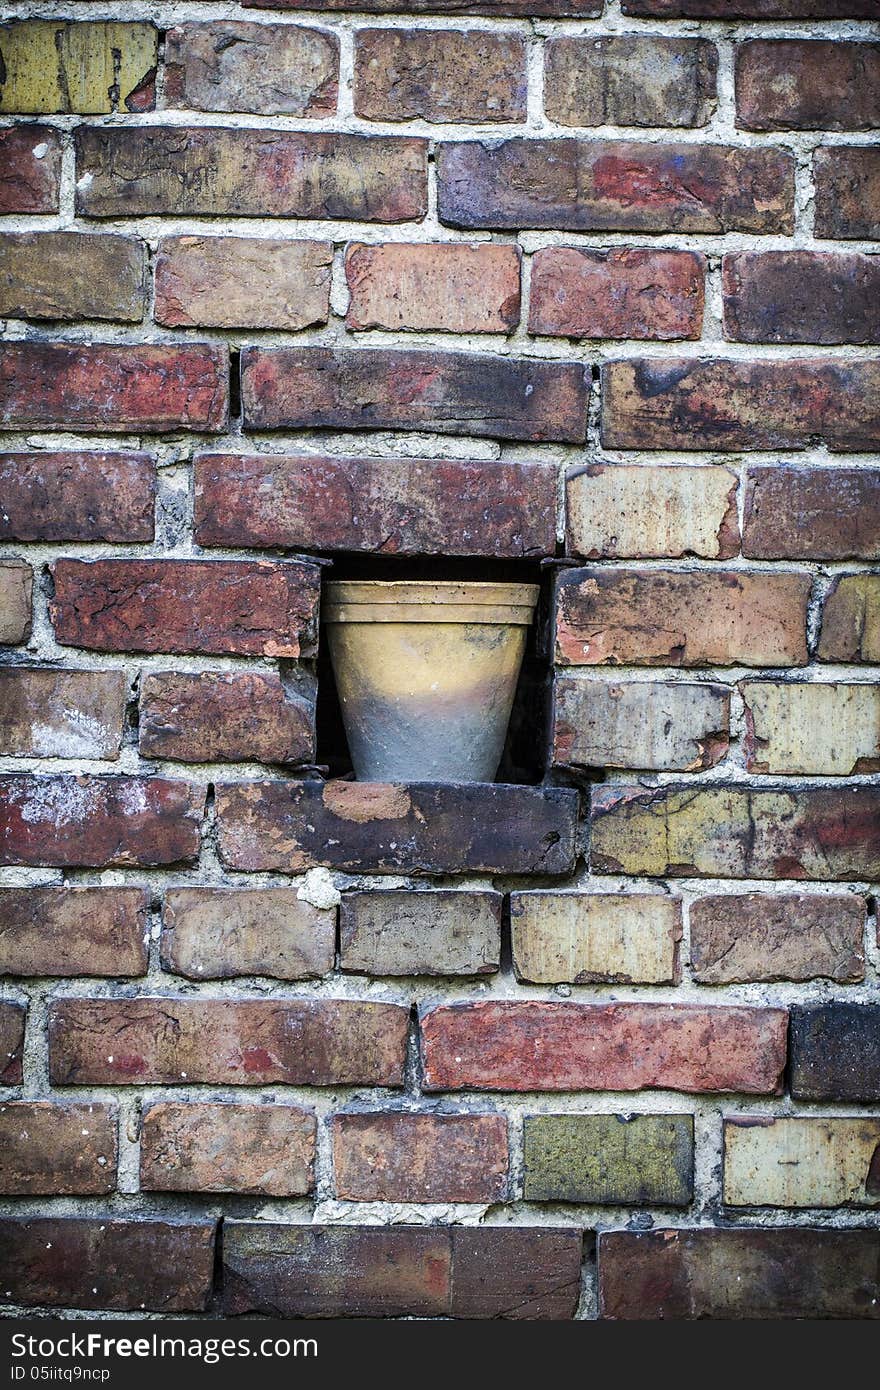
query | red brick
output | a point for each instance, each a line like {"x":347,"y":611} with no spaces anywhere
{"x":530,"y":1046}
{"x":625,"y":186}
{"x":847,"y":180}
{"x":268,"y":68}
{"x":451,"y":287}
{"x":225,"y":716}
{"x":16,"y":591}
{"x":219,"y":171}
{"x":616,"y":294}
{"x":681,"y":618}
{"x":749,"y":9}
{"x":267,"y":1150}
{"x":801,"y":297}
{"x":693,"y":403}
{"x":807,"y":84}
{"x":390,"y":506}
{"x":495,"y":9}
{"x":777,"y":936}
{"x":439,"y":75}
{"x":71,"y":275}
{"x":248,"y":608}
{"x":30,"y":158}
{"x":812,"y":513}
{"x":96,"y":821}
{"x":82,"y":496}
{"x":57,"y":1149}
{"x":406,"y":1157}
{"x":851,"y":619}
{"x":105,"y":1262}
{"x":47,"y":713}
{"x":166,"y":1041}
{"x":218,"y":933}
{"x":106,"y":387}
{"x":632,"y":79}
{"x":620,"y":511}
{"x":12,"y":1020}
{"x":242,"y":282}
{"x":445,"y":392}
{"x":74,"y":931}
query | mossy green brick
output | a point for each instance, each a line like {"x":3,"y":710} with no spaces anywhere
{"x":91,"y":68}
{"x":609,"y":1159}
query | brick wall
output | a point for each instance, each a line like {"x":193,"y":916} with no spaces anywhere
{"x":461,"y":287}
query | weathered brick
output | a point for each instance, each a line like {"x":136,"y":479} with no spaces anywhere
{"x":831,"y":1161}
{"x":495,"y":9}
{"x":835,"y":1051}
{"x":523,"y":1272}
{"x":587,"y":938}
{"x":225,"y":716}
{"x":735,"y":1274}
{"x":392,"y":506}
{"x":628,"y":1160}
{"x":71,"y":275}
{"x":812,"y":513}
{"x":16,"y":591}
{"x":166,"y":1041}
{"x":851,"y":619}
{"x":746,"y":9}
{"x":225,"y":172}
{"x":511,"y":1045}
{"x":267,"y":1150}
{"x":624,"y":511}
{"x":801,"y":297}
{"x":74,"y":931}
{"x":421,"y":828}
{"x":445,"y":392}
{"x":600,"y":185}
{"x":746,"y":937}
{"x":847,"y":182}
{"x":105,"y":1262}
{"x":54,"y":65}
{"x":210,"y":933}
{"x":736,"y":832}
{"x":807,"y":84}
{"x":616,"y":294}
{"x":705,"y":403}
{"x":101,"y":387}
{"x":406,"y":1157}
{"x":12,"y":1020}
{"x":813,"y":729}
{"x":633,"y":79}
{"x":681,"y":618}
{"x":30,"y":160}
{"x":82,"y":496}
{"x":436,"y":933}
{"x":272,"y":69}
{"x":242,"y":282}
{"x":444,"y":75}
{"x":66,"y":820}
{"x":658,"y":725}
{"x":61,"y":714}
{"x":57,"y":1149}
{"x":250,"y":608}
{"x":447,"y":286}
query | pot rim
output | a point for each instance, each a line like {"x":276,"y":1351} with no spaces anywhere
{"x":350,"y":593}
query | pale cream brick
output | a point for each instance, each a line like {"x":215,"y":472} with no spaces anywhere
{"x":583,"y":937}
{"x":828,"y":1161}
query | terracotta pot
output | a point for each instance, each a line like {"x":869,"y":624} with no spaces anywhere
{"x":426,"y":674}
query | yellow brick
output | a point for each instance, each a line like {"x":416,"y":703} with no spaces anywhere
{"x":583,"y":937}
{"x":90,"y":68}
{"x":802,"y":1162}
{"x":813,"y":729}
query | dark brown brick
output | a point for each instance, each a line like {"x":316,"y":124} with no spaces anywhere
{"x":847,"y":180}
{"x":734,"y":1274}
{"x":16,"y":593}
{"x":390,"y":506}
{"x":812,"y":513}
{"x":47,"y":713}
{"x":108,"y":387}
{"x":423,"y":828}
{"x":748,"y":9}
{"x":12,"y":1020}
{"x":439,"y":75}
{"x":632,"y":79}
{"x":851,"y":619}
{"x":225,"y":716}
{"x":166,"y":1041}
{"x":835,"y":1051}
{"x":71,"y":275}
{"x":66,"y":820}
{"x":242,"y":282}
{"x":617,"y":294}
{"x":434,"y":933}
{"x":211,"y":933}
{"x":188,"y":1146}
{"x":768,"y":936}
{"x":807,"y":84}
{"x":105,"y":1262}
{"x":268,"y":68}
{"x":598,"y":185}
{"x":445,"y":392}
{"x":407,"y":1157}
{"x":224,"y":172}
{"x":801,"y":297}
{"x":30,"y":159}
{"x":693,"y":403}
{"x":74,"y":931}
{"x":57,"y":1149}
{"x":249,"y":608}
{"x":452,"y":287}
{"x":82,"y":496}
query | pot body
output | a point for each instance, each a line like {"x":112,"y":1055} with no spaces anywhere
{"x":426,"y":674}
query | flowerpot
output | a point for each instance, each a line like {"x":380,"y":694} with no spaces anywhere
{"x":426,"y":674}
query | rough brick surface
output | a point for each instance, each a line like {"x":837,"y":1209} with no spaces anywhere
{"x":835,"y":1051}
{"x":807,"y":84}
{"x":641,"y":80}
{"x":801,"y":297}
{"x":612,"y":1160}
{"x":623,"y":511}
{"x":16,"y":592}
{"x":587,"y":938}
{"x":271,"y":69}
{"x":61,"y":714}
{"x":818,"y":730}
{"x":242,"y":282}
{"x":847,"y":181}
{"x":420,"y":1158}
{"x":82,"y":496}
{"x":747,"y":9}
{"x":766,"y":936}
{"x":220,"y":716}
{"x":73,"y":931}
{"x":69,"y":275}
{"x":210,"y":933}
{"x":445,"y":286}
{"x":616,"y":294}
{"x":657,"y":725}
{"x":30,"y":157}
{"x":192,"y":1146}
{"x":12,"y":1022}
{"x":439,"y":75}
{"x":549,"y":9}
{"x":57,"y":1149}
{"x":791,"y":1161}
{"x":812,"y":513}
{"x":851,"y":619}
{"x":59,"y":66}
{"x":435,"y":933}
